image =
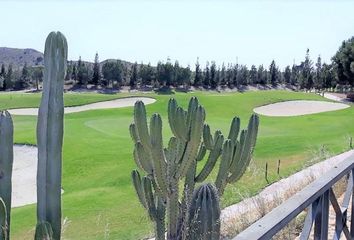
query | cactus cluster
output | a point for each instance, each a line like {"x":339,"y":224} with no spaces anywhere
{"x":159,"y":191}
{"x":49,"y":140}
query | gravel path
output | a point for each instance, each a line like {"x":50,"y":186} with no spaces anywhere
{"x":117,"y":103}
{"x":297,"y":108}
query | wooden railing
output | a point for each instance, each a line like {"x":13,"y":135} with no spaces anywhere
{"x":316,"y":198}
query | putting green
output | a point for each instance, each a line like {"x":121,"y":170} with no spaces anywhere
{"x":99,"y":200}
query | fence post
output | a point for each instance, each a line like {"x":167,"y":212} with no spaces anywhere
{"x":266,"y":172}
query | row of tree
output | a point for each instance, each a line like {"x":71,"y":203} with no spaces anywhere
{"x":17,"y":79}
{"x":116,"y":73}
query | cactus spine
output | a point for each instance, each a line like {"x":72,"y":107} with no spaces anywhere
{"x":159,"y":191}
{"x":50,"y":133}
{"x":6,"y":161}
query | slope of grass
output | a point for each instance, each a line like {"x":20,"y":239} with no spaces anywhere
{"x":99,"y":200}
{"x":22,"y":100}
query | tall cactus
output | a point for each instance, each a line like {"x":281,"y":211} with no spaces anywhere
{"x":6,"y":161}
{"x":50,"y":133}
{"x":159,"y":191}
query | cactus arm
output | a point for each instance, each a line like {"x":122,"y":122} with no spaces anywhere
{"x":158,"y":156}
{"x":234,"y":129}
{"x":141,"y":124}
{"x":226,"y":158}
{"x":194,"y":143}
{"x":212,"y":158}
{"x":149,"y":197}
{"x":201,"y":153}
{"x":138,"y":187}
{"x":181,"y":126}
{"x":133,"y":133}
{"x":6,"y":162}
{"x":172,"y":109}
{"x":143,"y":158}
{"x":192,"y":107}
{"x":247,"y":144}
{"x":208,"y":139}
{"x":50,"y":133}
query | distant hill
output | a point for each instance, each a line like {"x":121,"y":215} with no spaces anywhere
{"x":18,"y":57}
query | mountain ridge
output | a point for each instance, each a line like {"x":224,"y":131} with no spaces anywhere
{"x":18,"y":57}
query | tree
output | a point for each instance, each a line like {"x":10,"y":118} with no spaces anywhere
{"x":96,"y":76}
{"x":198,"y":80}
{"x":80,"y":72}
{"x":344,"y":62}
{"x":235,"y":77}
{"x":168,"y":73}
{"x":69,"y":70}
{"x":37,"y":75}
{"x":164,"y":74}
{"x":112,"y":71}
{"x":287,"y":75}
{"x":177,"y":75}
{"x":185,"y":77}
{"x":223,"y":79}
{"x":294,"y":78}
{"x":306,"y":74}
{"x":328,"y":76}
{"x":318,"y":83}
{"x":2,"y":76}
{"x":23,"y":81}
{"x":2,"y":71}
{"x":261,"y":75}
{"x":134,"y":76}
{"x":206,"y":81}
{"x":273,"y":73}
{"x":253,"y":78}
{"x":213,"y":76}
{"x":147,"y":74}
{"x":242,"y":75}
{"x":8,"y":82}
{"x":74,"y":72}
{"x":229,"y":74}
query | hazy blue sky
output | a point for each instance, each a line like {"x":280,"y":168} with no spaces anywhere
{"x":255,"y":32}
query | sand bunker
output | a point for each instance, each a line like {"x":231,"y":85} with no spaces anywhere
{"x":117,"y":103}
{"x":24,"y":174}
{"x":297,"y":108}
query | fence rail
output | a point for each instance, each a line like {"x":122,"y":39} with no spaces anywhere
{"x":316,"y":197}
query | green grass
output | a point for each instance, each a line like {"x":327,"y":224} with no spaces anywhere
{"x":99,"y":199}
{"x":22,"y":100}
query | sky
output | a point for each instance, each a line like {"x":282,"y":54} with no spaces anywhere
{"x":247,"y":32}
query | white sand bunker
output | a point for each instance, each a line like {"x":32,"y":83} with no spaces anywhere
{"x":24,"y":174}
{"x":297,"y":108}
{"x":117,"y":103}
